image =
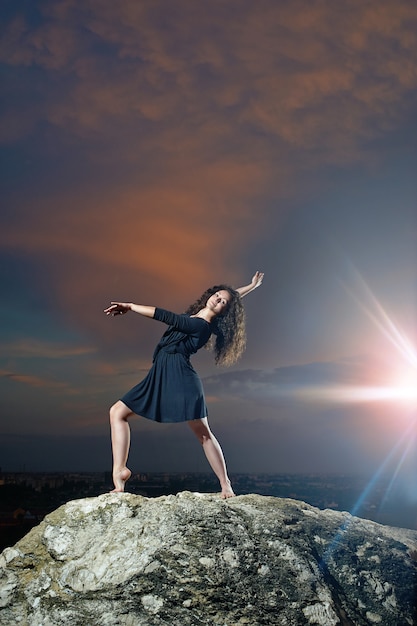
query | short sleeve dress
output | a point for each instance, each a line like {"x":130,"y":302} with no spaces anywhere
{"x":172,"y":390}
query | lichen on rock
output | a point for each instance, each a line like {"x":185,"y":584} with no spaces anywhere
{"x":193,"y":559}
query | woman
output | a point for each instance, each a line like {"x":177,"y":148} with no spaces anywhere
{"x":172,"y":390}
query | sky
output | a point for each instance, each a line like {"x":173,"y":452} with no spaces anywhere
{"x":152,"y":149}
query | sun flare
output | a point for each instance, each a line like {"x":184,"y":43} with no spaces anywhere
{"x":401,"y":387}
{"x":346,"y":394}
{"x":405,"y":387}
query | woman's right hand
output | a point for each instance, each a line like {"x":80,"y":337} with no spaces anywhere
{"x":257,"y":279}
{"x":118,"y":308}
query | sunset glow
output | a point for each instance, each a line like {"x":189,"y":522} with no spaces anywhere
{"x":151,"y":150}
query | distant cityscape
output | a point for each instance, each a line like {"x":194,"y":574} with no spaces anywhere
{"x":25,"y":498}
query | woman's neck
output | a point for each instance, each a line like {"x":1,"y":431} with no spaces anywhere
{"x":206,"y":314}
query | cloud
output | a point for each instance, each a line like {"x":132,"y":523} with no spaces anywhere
{"x":137,"y":242}
{"x":206,"y":101}
{"x":350,"y":381}
{"x":31,"y":380}
{"x":309,"y":415}
{"x":299,"y":71}
{"x":182,"y":123}
{"x":31,"y":348}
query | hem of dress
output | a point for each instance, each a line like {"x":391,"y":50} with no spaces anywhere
{"x":152,"y":419}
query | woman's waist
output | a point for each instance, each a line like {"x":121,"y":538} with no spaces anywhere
{"x":173,"y":349}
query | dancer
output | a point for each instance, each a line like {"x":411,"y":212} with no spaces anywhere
{"x":172,"y":390}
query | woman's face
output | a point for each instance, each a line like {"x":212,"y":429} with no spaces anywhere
{"x":219,"y":301}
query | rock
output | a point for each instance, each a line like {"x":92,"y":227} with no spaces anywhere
{"x":192,"y":559}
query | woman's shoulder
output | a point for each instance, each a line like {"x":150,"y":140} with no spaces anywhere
{"x":181,"y":321}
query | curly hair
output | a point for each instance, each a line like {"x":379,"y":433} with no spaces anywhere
{"x":228,"y":339}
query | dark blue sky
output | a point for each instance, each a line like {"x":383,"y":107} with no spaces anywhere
{"x":152,"y":149}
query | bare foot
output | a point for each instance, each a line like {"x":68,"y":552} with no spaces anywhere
{"x":120,"y":478}
{"x":227,"y":491}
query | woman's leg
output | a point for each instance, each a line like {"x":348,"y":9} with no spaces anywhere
{"x":213,"y":453}
{"x":120,"y":441}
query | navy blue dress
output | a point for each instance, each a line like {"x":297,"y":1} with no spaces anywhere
{"x":172,"y":390}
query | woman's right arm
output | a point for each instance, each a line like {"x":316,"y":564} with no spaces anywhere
{"x":119,"y":308}
{"x":255,"y":282}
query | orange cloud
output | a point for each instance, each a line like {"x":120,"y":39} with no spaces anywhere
{"x":28,"y":348}
{"x":171,"y":237}
{"x":34,"y":381}
{"x":192,"y":119}
{"x":269,"y":63}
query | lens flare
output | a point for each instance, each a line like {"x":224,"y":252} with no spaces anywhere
{"x":400,"y":387}
{"x":341,"y":533}
{"x":380,"y":318}
{"x":350,"y":394}
{"x":403,"y":383}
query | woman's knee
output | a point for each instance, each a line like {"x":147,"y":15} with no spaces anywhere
{"x":119,"y":411}
{"x":201,"y":430}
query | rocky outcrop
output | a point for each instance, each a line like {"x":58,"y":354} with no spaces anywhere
{"x":192,"y":559}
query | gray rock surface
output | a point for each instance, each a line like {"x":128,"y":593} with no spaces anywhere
{"x":193,"y":559}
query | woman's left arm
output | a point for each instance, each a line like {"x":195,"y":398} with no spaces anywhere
{"x":256,"y":282}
